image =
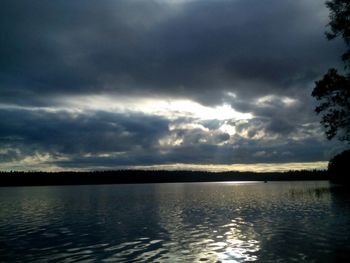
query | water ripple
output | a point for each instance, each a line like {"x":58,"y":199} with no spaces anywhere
{"x":275,"y":222}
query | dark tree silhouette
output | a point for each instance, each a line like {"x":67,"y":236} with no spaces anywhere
{"x":340,"y":23}
{"x":333,"y":90}
{"x":334,"y":95}
{"x":338,"y":167}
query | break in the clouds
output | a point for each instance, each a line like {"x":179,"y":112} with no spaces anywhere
{"x":108,"y":84}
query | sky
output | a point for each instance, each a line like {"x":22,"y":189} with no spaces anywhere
{"x":163,"y":84}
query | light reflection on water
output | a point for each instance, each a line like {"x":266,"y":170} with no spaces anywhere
{"x":199,"y":222}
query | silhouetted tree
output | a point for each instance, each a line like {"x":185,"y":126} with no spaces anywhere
{"x":333,"y":90}
{"x":338,"y":167}
{"x":340,"y":23}
{"x":334,"y":95}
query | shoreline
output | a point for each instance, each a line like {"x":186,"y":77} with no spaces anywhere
{"x":149,"y":176}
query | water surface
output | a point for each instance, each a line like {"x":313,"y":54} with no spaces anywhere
{"x":193,"y":222}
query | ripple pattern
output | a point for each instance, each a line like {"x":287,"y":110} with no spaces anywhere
{"x":204,"y":222}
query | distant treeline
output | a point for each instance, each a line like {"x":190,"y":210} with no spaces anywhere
{"x":149,"y":176}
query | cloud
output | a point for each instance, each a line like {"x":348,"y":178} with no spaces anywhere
{"x":63,"y":133}
{"x":198,"y":50}
{"x":111,"y":140}
{"x":127,"y":83}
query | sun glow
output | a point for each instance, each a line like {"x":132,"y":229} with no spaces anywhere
{"x":169,"y":108}
{"x":257,"y":167}
{"x":231,"y":130}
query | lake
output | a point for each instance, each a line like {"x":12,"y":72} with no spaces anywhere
{"x":179,"y":222}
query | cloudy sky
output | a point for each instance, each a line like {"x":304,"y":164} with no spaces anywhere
{"x":175,"y":84}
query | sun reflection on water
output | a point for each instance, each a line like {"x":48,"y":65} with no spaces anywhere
{"x":231,"y":244}
{"x":201,"y":232}
{"x":216,"y":223}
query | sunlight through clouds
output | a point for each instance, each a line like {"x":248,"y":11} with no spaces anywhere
{"x":130,"y":83}
{"x":257,"y":167}
{"x":169,"y":108}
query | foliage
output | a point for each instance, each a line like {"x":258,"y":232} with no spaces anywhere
{"x":340,"y":23}
{"x":338,"y":167}
{"x":333,"y":93}
{"x":333,"y":90}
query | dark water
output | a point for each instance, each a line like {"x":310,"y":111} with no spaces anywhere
{"x":198,"y":222}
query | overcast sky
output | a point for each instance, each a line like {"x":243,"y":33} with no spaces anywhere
{"x":210,"y":84}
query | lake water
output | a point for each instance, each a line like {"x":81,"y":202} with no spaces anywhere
{"x":194,"y":222}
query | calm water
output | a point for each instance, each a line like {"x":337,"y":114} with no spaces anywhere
{"x":197,"y":222}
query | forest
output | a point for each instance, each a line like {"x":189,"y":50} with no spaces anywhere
{"x":14,"y":178}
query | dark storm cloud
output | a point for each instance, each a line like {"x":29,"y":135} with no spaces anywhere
{"x":266,"y":53}
{"x":94,"y":140}
{"x":248,"y":151}
{"x":67,"y":133}
{"x":281,"y":115}
{"x":196,"y":49}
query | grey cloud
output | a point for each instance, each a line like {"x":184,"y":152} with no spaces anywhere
{"x":66,"y":133}
{"x":280,"y":114}
{"x":280,"y":126}
{"x":109,"y":140}
{"x":199,"y":51}
{"x":199,"y":136}
{"x":244,"y":151}
{"x":9,"y":155}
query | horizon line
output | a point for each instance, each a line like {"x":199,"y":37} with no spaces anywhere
{"x":256,"y":168}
